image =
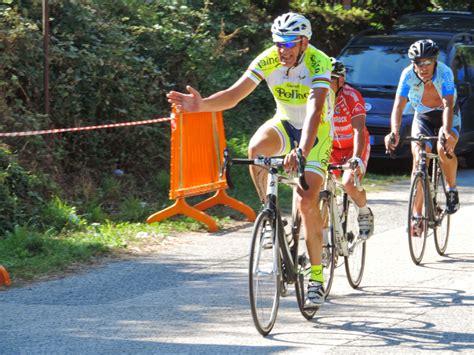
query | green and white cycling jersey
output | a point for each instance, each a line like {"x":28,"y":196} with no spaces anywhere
{"x":291,"y":87}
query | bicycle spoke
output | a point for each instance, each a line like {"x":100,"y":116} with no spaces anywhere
{"x":417,"y":220}
{"x":264,"y":274}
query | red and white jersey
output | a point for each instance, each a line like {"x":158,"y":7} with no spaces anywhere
{"x":349,"y":103}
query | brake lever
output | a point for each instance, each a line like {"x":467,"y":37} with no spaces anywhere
{"x":226,"y":168}
{"x":354,"y":164}
{"x":301,"y":165}
{"x":391,"y":141}
{"x":443,"y":143}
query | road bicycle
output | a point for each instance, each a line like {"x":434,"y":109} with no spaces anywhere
{"x":427,"y":212}
{"x":341,"y":229}
{"x":277,"y":258}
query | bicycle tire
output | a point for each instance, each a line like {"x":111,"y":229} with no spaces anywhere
{"x":301,"y":285}
{"x":264,"y":272}
{"x":442,"y":223}
{"x":303,"y":264}
{"x":417,"y":243}
{"x":329,"y":257}
{"x":354,"y":262}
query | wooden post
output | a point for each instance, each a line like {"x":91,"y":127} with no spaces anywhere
{"x":46,"y":56}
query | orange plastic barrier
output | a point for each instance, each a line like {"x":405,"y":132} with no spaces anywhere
{"x":4,"y":277}
{"x":197,"y":145}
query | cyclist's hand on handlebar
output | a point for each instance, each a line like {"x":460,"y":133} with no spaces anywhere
{"x":186,"y":102}
{"x":357,"y":166}
{"x":391,"y":141}
{"x":295,"y":161}
{"x":290,"y":162}
{"x":449,"y":142}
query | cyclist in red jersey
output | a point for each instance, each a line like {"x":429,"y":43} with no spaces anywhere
{"x":351,"y":142}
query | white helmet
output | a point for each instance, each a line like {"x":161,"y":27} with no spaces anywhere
{"x":289,"y":25}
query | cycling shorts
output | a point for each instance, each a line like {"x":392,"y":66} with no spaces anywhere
{"x":318,"y":158}
{"x":342,"y":155}
{"x":428,"y":124}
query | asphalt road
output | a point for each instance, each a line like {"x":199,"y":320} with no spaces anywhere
{"x":191,"y":297}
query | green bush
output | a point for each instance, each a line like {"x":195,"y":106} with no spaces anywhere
{"x":59,"y":216}
{"x":20,"y":192}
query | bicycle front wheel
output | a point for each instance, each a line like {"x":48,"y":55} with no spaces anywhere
{"x":354,"y":262}
{"x":442,"y":218}
{"x":417,"y":219}
{"x":264,"y":273}
{"x":301,"y":285}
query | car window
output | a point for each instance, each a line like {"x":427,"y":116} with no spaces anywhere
{"x":376,"y":65}
{"x":463,"y":64}
{"x":436,"y":22}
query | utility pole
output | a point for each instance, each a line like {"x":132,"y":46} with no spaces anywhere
{"x":46,"y":55}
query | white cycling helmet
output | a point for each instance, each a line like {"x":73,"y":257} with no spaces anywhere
{"x":288,"y":26}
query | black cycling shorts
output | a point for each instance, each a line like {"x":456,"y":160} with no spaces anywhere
{"x":428,"y":124}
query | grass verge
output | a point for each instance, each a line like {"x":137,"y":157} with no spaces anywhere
{"x":30,"y":255}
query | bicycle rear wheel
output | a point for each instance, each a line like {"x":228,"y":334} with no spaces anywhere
{"x":264,"y":273}
{"x":441,"y":229}
{"x":417,"y":219}
{"x":329,"y":257}
{"x":354,"y":262}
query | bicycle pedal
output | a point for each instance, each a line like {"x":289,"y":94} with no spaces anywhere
{"x":285,"y":291}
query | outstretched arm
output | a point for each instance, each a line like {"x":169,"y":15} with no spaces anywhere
{"x":220,"y":101}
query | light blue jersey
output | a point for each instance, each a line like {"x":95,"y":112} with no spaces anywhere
{"x":412,"y":87}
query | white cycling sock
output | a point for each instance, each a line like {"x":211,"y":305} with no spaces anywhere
{"x":364,"y":210}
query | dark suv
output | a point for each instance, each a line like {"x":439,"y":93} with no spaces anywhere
{"x":374,"y":62}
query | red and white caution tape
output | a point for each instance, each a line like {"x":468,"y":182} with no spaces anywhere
{"x":87,"y":128}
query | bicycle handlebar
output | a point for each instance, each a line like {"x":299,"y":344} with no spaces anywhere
{"x":348,"y":166}
{"x":423,"y":138}
{"x":268,"y":162}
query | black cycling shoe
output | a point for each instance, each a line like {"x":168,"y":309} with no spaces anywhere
{"x":453,"y":202}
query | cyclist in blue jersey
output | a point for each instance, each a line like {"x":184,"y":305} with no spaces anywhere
{"x":429,"y":86}
{"x":298,"y":76}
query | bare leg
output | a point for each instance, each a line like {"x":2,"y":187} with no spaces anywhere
{"x":265,"y":141}
{"x":359,"y":197}
{"x":311,"y":222}
{"x":449,"y":166}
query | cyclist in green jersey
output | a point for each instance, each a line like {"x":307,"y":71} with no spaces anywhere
{"x":298,"y":75}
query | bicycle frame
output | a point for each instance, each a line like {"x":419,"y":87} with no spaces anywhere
{"x":338,"y":216}
{"x":430,"y":181}
{"x":425,"y":212}
{"x":271,"y":204}
{"x":273,"y":180}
